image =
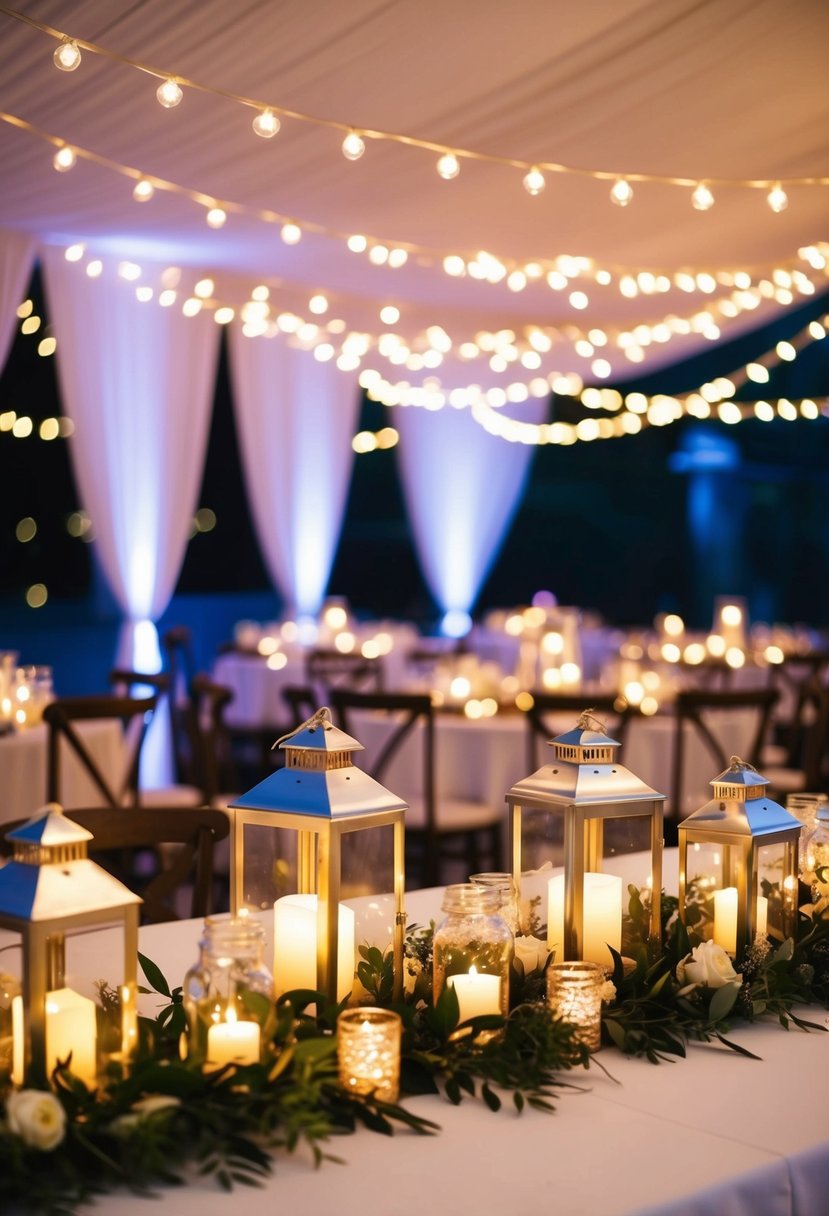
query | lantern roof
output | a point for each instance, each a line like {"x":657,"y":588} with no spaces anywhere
{"x":50,"y":875}
{"x":739,"y":780}
{"x":584,"y":771}
{"x":754,"y":816}
{"x":319,"y":777}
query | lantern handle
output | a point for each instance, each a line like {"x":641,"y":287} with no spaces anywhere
{"x":588,"y":720}
{"x":321,"y":717}
{"x":743,"y":765}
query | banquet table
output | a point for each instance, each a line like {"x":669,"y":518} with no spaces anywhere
{"x":716,"y":1134}
{"x":24,"y":764}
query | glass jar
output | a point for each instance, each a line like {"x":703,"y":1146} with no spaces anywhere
{"x":229,"y":994}
{"x":814,"y":858}
{"x":368,"y":1052}
{"x":504,"y":883}
{"x":473,"y":950}
{"x":574,"y":994}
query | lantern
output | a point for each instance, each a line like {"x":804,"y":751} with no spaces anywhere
{"x":67,"y":915}
{"x":589,"y":814}
{"x":316,"y":841}
{"x":738,"y":863}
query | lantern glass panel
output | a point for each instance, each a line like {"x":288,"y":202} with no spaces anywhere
{"x":705,"y":874}
{"x":11,"y":994}
{"x":270,"y":865}
{"x":777,"y":888}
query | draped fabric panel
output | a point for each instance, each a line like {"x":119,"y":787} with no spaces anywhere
{"x":137,"y":381}
{"x":295,"y":418}
{"x":17,"y":255}
{"x":462,"y":487}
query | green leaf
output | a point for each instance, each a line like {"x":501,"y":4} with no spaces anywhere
{"x":492,"y":1100}
{"x":154,"y":975}
{"x":722,"y":1002}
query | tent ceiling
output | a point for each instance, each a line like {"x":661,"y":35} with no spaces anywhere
{"x":700,"y":89}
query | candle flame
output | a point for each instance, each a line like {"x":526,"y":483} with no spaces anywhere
{"x":473,"y":970}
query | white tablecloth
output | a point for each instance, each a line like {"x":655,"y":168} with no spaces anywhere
{"x":24,"y":763}
{"x":713,"y":1135}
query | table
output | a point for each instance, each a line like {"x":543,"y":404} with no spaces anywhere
{"x":24,"y":764}
{"x":713,"y":1135}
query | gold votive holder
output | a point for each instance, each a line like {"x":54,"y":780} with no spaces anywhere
{"x":368,"y":1052}
{"x":574,"y":994}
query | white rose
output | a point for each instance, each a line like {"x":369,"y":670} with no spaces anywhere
{"x":37,"y":1117}
{"x":532,"y":953}
{"x":144,"y":1108}
{"x":707,"y":966}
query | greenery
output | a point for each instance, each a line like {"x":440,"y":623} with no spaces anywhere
{"x":167,"y":1117}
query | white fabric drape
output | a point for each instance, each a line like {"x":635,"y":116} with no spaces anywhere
{"x":17,"y":255}
{"x":295,"y":419}
{"x":461,"y":486}
{"x":137,"y":381}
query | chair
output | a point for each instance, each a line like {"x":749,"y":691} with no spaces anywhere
{"x":301,"y":701}
{"x":329,"y":669}
{"x":798,"y":762}
{"x":63,"y":716}
{"x":613,"y":711}
{"x":180,"y":663}
{"x":186,"y":790}
{"x":164,"y":854}
{"x":438,"y":830}
{"x":698,"y":714}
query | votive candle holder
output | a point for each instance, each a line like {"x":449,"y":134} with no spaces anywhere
{"x":574,"y":994}
{"x":368,"y":1052}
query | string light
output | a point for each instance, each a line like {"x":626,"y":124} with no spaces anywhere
{"x":777,"y":198}
{"x":448,"y":166}
{"x":291,"y":234}
{"x":266,"y":124}
{"x":143,"y":190}
{"x":169,"y":93}
{"x":216,"y":217}
{"x":67,"y":57}
{"x":353,"y":146}
{"x":64,"y":159}
{"x":702,"y":199}
{"x":534,"y":181}
{"x":621,"y":192}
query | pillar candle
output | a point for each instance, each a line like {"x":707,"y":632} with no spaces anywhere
{"x":602,"y":916}
{"x":295,"y":945}
{"x":477,"y":994}
{"x":71,"y":1027}
{"x":232,"y":1041}
{"x":725,"y":918}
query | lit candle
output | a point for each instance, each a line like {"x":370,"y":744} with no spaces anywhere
{"x":295,"y":945}
{"x":71,"y":1027}
{"x":601,"y":920}
{"x":232,"y":1041}
{"x":725,"y":918}
{"x":477,"y":994}
{"x":368,"y":1052}
{"x":574,"y":994}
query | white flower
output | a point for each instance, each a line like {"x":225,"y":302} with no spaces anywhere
{"x":608,"y":992}
{"x":531,"y":952}
{"x":144,"y":1108}
{"x":37,"y":1117}
{"x":707,"y":966}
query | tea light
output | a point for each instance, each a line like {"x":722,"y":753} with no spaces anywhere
{"x":232,"y":1041}
{"x":295,"y":945}
{"x":602,"y":916}
{"x":725,"y":918}
{"x":574,"y":994}
{"x":477,"y":994}
{"x":368,"y":1052}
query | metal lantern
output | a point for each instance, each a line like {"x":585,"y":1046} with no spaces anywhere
{"x":319,"y":841}
{"x":585,"y":812}
{"x":67,"y":914}
{"x":738,"y":863}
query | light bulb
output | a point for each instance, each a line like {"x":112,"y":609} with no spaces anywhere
{"x":291,"y":234}
{"x":448,"y":166}
{"x":702,"y":199}
{"x":353,"y":146}
{"x":169,"y":93}
{"x":266,"y":124}
{"x":534,"y":181}
{"x":621,"y":192}
{"x":777,"y":198}
{"x":67,"y":56}
{"x":216,"y":217}
{"x":64,"y":159}
{"x":143,"y":191}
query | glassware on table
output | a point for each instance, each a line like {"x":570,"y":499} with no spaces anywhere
{"x":33,"y":692}
{"x":8,"y":668}
{"x":473,"y":949}
{"x":368,"y":1052}
{"x":574,"y":994}
{"x":503,"y":882}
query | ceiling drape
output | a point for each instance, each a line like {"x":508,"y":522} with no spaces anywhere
{"x":137,"y":382}
{"x":461,"y":486}
{"x":295,"y":418}
{"x":17,"y":253}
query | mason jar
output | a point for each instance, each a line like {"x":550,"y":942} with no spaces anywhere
{"x":229,"y":994}
{"x":473,"y":949}
{"x":505,"y":883}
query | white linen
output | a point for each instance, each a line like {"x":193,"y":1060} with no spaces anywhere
{"x":17,"y":255}
{"x":23,"y":768}
{"x":295,"y":419}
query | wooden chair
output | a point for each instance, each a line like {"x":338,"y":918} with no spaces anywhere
{"x":186,"y":789}
{"x":326,"y":670}
{"x":63,"y":716}
{"x":301,"y":701}
{"x":179,"y":660}
{"x":164,"y":854}
{"x":613,"y":711}
{"x":438,"y":830}
{"x":800,"y":760}
{"x":696,"y":712}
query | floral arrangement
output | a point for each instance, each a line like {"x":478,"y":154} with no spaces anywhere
{"x":62,"y":1146}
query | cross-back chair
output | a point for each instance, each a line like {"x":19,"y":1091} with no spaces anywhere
{"x":566,"y":707}
{"x":64,"y":717}
{"x":800,"y":759}
{"x":703,"y":715}
{"x":301,"y":701}
{"x":326,"y":670}
{"x":438,"y":830}
{"x":173,"y":715}
{"x":164,"y":854}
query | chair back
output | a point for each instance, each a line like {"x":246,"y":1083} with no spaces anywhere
{"x":804,"y":700}
{"x":301,"y":701}
{"x":614,"y":712}
{"x":696,"y":713}
{"x":63,"y":717}
{"x":326,"y":670}
{"x":179,"y":660}
{"x":216,"y":767}
{"x":158,"y":852}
